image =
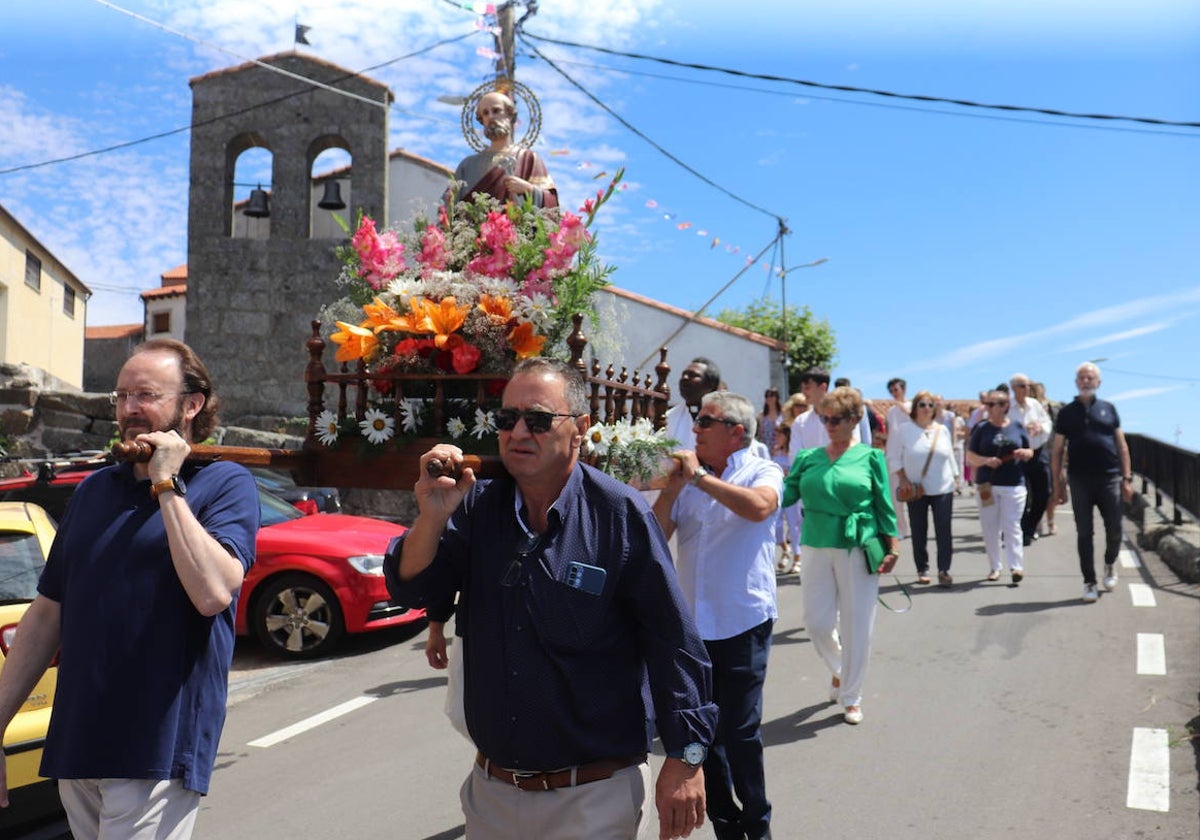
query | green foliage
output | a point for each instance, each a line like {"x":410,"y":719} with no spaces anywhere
{"x":811,"y":341}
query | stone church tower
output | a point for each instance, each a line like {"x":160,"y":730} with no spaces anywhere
{"x":254,"y":285}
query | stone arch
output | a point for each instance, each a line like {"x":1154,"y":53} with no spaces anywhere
{"x":238,"y":225}
{"x":325,"y":167}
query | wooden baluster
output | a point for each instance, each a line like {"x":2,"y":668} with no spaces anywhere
{"x":637,"y":400}
{"x":621,"y":395}
{"x":360,"y":395}
{"x":609,"y":405}
{"x":577,"y":342}
{"x":342,"y":386}
{"x":314,"y":378}
{"x":594,"y":396}
{"x":662,"y":370}
{"x":439,"y":407}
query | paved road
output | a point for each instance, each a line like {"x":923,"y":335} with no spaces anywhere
{"x":992,"y":711}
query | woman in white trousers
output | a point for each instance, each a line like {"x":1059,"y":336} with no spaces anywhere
{"x":997,"y":448}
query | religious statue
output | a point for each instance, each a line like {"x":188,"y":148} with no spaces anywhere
{"x":504,"y":170}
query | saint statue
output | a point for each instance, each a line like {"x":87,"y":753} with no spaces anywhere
{"x":504,"y":170}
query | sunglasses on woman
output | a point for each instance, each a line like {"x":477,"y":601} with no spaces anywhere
{"x":537,"y":422}
{"x":833,"y":421}
{"x":924,"y":405}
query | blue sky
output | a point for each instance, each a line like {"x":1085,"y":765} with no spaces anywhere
{"x":963,"y":245}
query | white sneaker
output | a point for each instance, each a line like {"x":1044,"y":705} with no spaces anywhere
{"x":1090,"y":595}
{"x":1110,"y":577}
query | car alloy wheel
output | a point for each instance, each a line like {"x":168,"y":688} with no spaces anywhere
{"x":298,"y":616}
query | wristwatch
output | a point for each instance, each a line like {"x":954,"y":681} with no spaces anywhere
{"x":174,"y":484}
{"x":698,"y":474}
{"x":692,"y":755}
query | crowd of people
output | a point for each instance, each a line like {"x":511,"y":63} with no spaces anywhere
{"x":582,"y":633}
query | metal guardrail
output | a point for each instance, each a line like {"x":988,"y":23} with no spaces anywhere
{"x":1172,"y":470}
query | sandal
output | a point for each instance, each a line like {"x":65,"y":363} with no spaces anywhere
{"x":923,"y":578}
{"x":993,"y":575}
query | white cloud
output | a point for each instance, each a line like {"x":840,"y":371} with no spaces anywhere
{"x":1142,"y":393}
{"x":1124,"y":335}
{"x":993,"y":349}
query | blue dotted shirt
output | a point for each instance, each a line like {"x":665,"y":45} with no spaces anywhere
{"x":555,"y":674}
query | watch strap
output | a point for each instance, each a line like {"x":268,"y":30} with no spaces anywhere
{"x":171,"y":483}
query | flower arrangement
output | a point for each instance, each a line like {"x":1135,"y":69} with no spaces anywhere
{"x":629,"y":451}
{"x":483,"y":286}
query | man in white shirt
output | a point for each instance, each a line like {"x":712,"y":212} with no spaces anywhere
{"x":1031,"y":414}
{"x":897,"y":416}
{"x":720,"y":502}
{"x":699,"y":378}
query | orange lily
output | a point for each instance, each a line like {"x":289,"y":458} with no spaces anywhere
{"x":498,"y":309}
{"x":353,"y":342}
{"x":445,"y":318}
{"x":380,"y":316}
{"x":416,"y":321}
{"x":524,"y":342}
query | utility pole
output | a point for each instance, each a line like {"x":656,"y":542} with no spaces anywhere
{"x":506,"y":61}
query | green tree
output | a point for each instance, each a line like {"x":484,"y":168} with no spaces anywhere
{"x":811,"y":342}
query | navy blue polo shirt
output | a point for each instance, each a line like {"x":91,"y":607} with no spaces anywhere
{"x":997,"y":442}
{"x":555,"y":673}
{"x":142,"y":676}
{"x":1091,"y":433}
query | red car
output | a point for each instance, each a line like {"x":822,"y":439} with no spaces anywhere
{"x":315,"y":577}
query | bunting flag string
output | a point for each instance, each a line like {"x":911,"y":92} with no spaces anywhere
{"x":681,"y":224}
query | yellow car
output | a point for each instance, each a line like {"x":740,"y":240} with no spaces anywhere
{"x":26,"y":532}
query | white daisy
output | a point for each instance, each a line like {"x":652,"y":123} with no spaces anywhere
{"x":537,"y":309}
{"x":404,"y":287}
{"x":485,"y":424}
{"x":456,"y":427}
{"x":377,"y":426}
{"x":411,"y":410}
{"x":597,"y":440}
{"x":327,"y":427}
{"x":498,"y":286}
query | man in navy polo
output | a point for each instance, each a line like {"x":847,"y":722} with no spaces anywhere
{"x":138,"y":597}
{"x":1098,"y":472}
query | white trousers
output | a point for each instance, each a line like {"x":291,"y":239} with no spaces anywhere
{"x":839,"y":613}
{"x":1003,"y":516}
{"x":129,"y":809}
{"x":901,"y":507}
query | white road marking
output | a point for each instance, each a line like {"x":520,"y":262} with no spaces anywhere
{"x":1151,"y":654}
{"x":1149,"y":771}
{"x":312,"y":722}
{"x":1128,"y":558}
{"x":1142,"y":595}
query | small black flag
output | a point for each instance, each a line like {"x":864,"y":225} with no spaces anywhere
{"x":301,"y":31}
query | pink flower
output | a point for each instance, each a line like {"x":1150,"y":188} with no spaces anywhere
{"x":497,"y":264}
{"x":434,"y":256}
{"x":497,"y":231}
{"x":380,"y":257}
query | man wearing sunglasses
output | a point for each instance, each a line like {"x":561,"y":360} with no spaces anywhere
{"x":567,"y":602}
{"x":720,"y":502}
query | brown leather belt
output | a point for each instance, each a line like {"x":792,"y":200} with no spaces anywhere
{"x":583,"y":774}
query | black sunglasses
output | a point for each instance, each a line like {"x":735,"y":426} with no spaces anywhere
{"x":923,"y":404}
{"x":996,"y":403}
{"x":537,"y":422}
{"x":706,"y":420}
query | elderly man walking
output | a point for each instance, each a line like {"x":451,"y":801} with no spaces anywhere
{"x":720,"y":502}
{"x":1098,"y":471}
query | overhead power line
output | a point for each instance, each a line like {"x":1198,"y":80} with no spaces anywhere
{"x":643,"y":136}
{"x":229,"y":115}
{"x":966,"y":103}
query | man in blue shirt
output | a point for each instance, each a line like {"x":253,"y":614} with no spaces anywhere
{"x":1098,"y":469}
{"x":567,"y":603}
{"x":723,"y":501}
{"x":138,"y":596}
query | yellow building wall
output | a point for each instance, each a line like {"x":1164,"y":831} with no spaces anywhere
{"x":34,"y":329}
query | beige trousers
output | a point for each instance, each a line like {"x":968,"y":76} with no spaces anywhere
{"x":611,"y":809}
